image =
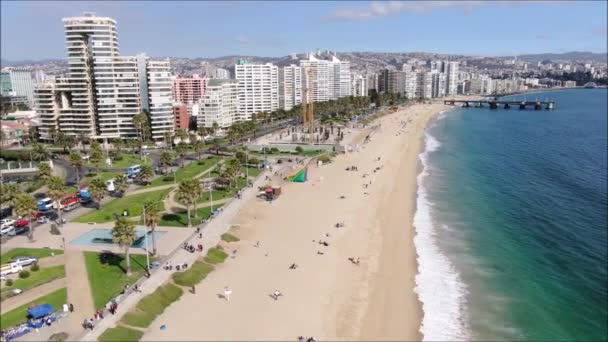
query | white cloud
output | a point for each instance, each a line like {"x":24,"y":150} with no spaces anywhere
{"x":379,"y":9}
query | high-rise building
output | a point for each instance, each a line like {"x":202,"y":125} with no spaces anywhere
{"x":340,"y":78}
{"x":6,"y":88}
{"x":424,"y":83}
{"x":258,"y":89}
{"x":451,"y":70}
{"x":181,"y":116}
{"x":22,"y":83}
{"x":359,"y":85}
{"x":396,"y":82}
{"x":438,"y":84}
{"x":219,"y":104}
{"x":103,"y":90}
{"x":317,"y":79}
{"x":221,"y":74}
{"x":188,"y":90}
{"x":290,"y":86}
{"x":410,"y":85}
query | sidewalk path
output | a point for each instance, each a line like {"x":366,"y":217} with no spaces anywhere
{"x":212,"y":233}
{"x":31,"y":295}
{"x":79,"y":292}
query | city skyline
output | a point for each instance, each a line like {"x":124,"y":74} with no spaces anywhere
{"x":194,"y":29}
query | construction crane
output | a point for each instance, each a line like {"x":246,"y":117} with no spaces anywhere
{"x":308,"y":116}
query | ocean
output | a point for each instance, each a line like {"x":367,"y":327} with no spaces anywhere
{"x":511,"y":222}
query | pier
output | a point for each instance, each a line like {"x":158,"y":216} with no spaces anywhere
{"x":506,"y":104}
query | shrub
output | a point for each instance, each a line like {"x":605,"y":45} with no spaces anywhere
{"x":55,"y":230}
{"x":201,"y":162}
{"x":274,"y":150}
{"x":24,"y":274}
{"x":9,"y":282}
{"x":168,"y":178}
{"x":299,"y":149}
{"x":152,"y":305}
{"x":58,"y":337}
{"x":324,"y":159}
{"x":216,"y":255}
{"x":35,"y":268}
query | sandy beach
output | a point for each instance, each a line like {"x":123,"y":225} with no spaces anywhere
{"x":327,"y":296}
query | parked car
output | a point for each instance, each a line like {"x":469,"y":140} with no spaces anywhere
{"x":7,"y":223}
{"x":10,"y":269}
{"x":24,"y":261}
{"x":21,"y":223}
{"x":41,"y":218}
{"x":70,"y":207}
{"x":7,"y":230}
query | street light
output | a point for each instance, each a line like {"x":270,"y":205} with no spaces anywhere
{"x":146,"y":240}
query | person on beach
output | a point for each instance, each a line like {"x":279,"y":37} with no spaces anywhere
{"x":227,"y":293}
{"x":277,"y":294}
{"x":193,"y":289}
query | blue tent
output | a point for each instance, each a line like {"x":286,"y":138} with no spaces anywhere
{"x":40,"y":311}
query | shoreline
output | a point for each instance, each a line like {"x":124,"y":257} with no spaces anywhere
{"x":327,"y":296}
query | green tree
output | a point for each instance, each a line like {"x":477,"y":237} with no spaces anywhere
{"x":76,"y":163}
{"x":124,"y":234}
{"x":214,"y":128}
{"x":146,"y":173}
{"x":166,"y":159}
{"x":40,"y":153}
{"x":118,"y":145}
{"x":141,"y":123}
{"x":181,"y":134}
{"x":44,"y":171}
{"x":96,"y":156}
{"x":168,"y":139}
{"x":97,"y":188}
{"x":26,"y":207}
{"x":121,"y":184}
{"x":152,"y":219}
{"x":9,"y":192}
{"x":82,"y":140}
{"x":181,"y":149}
{"x":199,"y":148}
{"x":56,"y":191}
{"x":187,"y":194}
{"x":63,"y":140}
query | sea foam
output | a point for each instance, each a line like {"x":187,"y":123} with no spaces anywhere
{"x":438,"y":284}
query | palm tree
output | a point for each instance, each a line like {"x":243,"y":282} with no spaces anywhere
{"x":199,"y":148}
{"x":124,"y":234}
{"x":168,"y":137}
{"x":40,"y":153}
{"x":151,"y":220}
{"x":146,"y":173}
{"x":192,"y":138}
{"x":64,"y":141}
{"x":188,"y":195}
{"x":76,"y":162}
{"x":97,"y":188}
{"x":181,"y":134}
{"x":82,"y":139}
{"x":166,"y":158}
{"x":202,"y":132}
{"x":44,"y":171}
{"x":121,"y":184}
{"x":56,"y":186}
{"x":26,"y":207}
{"x":118,"y":144}
{"x":181,"y":150}
{"x":214,"y":128}
{"x":141,"y":122}
{"x":96,"y":156}
{"x":9,"y":192}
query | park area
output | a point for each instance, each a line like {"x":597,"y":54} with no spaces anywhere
{"x":187,"y":172}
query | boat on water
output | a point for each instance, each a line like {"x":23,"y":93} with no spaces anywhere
{"x":590,"y":85}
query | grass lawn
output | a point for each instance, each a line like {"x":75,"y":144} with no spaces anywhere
{"x":107,"y":275}
{"x":186,"y":172}
{"x":229,"y":237}
{"x":120,"y":334}
{"x":181,"y":219}
{"x":216,"y":195}
{"x":131,"y":203}
{"x":128,"y":159}
{"x":37,"y":253}
{"x":104,"y":175}
{"x":194,"y":275}
{"x":253,"y":171}
{"x":42,"y":276}
{"x":19,"y":315}
{"x":216,"y":255}
{"x":152,"y":305}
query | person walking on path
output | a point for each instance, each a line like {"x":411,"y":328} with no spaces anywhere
{"x":193,"y":290}
{"x":227,"y":293}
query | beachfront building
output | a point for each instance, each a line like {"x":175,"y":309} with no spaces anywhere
{"x":451,"y":71}
{"x":340,"y":78}
{"x":219,"y":104}
{"x":358,"y":85}
{"x":438,"y":84}
{"x":103,"y":90}
{"x":22,"y":83}
{"x":181,"y":117}
{"x":424,"y":83}
{"x":317,"y":79}
{"x":290,"y":86}
{"x":6,"y":88}
{"x":258,"y":88}
{"x":410,"y":85}
{"x":188,"y":90}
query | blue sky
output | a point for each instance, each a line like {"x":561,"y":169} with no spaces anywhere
{"x":33,"y":30}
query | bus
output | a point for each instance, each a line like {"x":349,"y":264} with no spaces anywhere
{"x":133,"y":170}
{"x":45,"y":204}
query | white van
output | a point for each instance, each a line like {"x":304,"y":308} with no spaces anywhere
{"x":10,"y":269}
{"x":110,"y":185}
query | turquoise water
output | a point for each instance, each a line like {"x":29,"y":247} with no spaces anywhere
{"x":512,"y":222}
{"x":104,"y":237}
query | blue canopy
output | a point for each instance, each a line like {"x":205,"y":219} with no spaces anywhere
{"x":40,"y":311}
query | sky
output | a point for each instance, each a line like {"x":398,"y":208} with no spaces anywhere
{"x":33,"y":30}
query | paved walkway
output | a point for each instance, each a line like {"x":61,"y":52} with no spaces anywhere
{"x":52,"y":261}
{"x":212,"y":233}
{"x":33,"y":294}
{"x":79,"y":292}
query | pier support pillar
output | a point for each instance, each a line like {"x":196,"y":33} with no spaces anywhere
{"x":537,"y":106}
{"x":493,"y":105}
{"x":507,"y":106}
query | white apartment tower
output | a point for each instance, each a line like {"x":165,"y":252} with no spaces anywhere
{"x":22,"y":82}
{"x":258,"y":89}
{"x":219,"y":104}
{"x":340,"y":78}
{"x":316,"y":79}
{"x":290,"y":86}
{"x":451,"y":70}
{"x":103,"y":91}
{"x":358,"y":85}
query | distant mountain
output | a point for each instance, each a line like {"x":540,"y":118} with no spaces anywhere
{"x":567,"y":56}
